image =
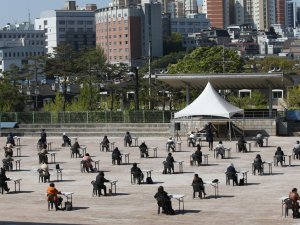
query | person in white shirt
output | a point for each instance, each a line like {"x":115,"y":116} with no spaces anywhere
{"x":220,"y":150}
{"x":296,"y":149}
{"x":192,"y":139}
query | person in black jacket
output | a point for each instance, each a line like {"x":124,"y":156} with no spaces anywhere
{"x":198,"y":186}
{"x":144,"y":150}
{"x":164,"y":201}
{"x":100,"y":180}
{"x":279,"y":155}
{"x":242,"y":145}
{"x":3,"y":180}
{"x":197,"y":156}
{"x":258,"y":164}
{"x":128,"y":139}
{"x":10,"y":139}
{"x":137,"y":173}
{"x":75,"y":148}
{"x":231,"y":173}
{"x":66,"y":140}
{"x":105,"y":143}
{"x":116,"y":155}
{"x":169,"y":164}
{"x":43,"y":137}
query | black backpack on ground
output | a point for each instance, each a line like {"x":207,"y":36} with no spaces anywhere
{"x":149,"y":180}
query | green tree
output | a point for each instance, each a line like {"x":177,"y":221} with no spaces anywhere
{"x":10,"y":99}
{"x":57,"y":105}
{"x":268,"y":63}
{"x":13,"y":74}
{"x":257,"y":101}
{"x":82,"y":103}
{"x":293,"y":97}
{"x":92,"y":69}
{"x":172,"y":43}
{"x":64,"y":63}
{"x":209,"y":60}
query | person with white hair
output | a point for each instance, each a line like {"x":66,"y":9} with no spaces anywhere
{"x":231,"y":173}
{"x":296,"y":149}
{"x":66,"y":140}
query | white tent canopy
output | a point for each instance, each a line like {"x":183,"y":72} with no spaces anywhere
{"x":209,"y":103}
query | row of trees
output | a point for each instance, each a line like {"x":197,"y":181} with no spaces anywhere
{"x":90,"y":69}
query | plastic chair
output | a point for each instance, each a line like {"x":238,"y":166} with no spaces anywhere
{"x":230,"y":176}
{"x":287,"y":204}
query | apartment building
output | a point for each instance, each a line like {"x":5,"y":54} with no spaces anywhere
{"x":68,"y":25}
{"x":130,"y":34}
{"x":19,"y":42}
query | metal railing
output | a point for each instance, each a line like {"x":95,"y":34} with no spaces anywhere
{"x":141,"y":116}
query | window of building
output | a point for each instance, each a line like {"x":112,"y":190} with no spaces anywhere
{"x":120,"y":42}
{"x":120,"y":28}
{"x":80,"y":22}
{"x":126,"y":42}
{"x":115,"y":57}
{"x":125,"y":21}
{"x":71,"y":29}
{"x":89,"y":29}
{"x":174,"y":23}
{"x":61,"y":29}
{"x":115,"y":36}
{"x":45,"y":22}
{"x":125,"y":28}
{"x":181,"y":23}
{"x":61,"y":22}
{"x":89,"y":22}
{"x":120,"y":57}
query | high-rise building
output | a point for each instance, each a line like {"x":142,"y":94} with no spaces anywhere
{"x":69,"y":25}
{"x":215,"y":12}
{"x":290,"y":13}
{"x":130,"y":34}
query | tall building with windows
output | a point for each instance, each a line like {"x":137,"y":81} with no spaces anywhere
{"x":215,"y":12}
{"x":130,"y":34}
{"x":19,"y":42}
{"x":69,"y":25}
{"x":290,"y":13}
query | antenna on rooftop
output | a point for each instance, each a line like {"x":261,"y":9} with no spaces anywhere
{"x":29,"y":18}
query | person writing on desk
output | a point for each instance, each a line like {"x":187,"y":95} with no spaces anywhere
{"x":52,"y":193}
{"x":197,"y":156}
{"x":294,"y":196}
{"x":258,"y":164}
{"x":242,"y":144}
{"x":75,"y":148}
{"x":3,"y":180}
{"x":164,"y":201}
{"x":169,"y":164}
{"x":100,"y":180}
{"x":231,"y":173}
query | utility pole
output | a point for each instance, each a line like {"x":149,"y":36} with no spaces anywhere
{"x":223,"y":59}
{"x":149,"y":79}
{"x":150,"y":50}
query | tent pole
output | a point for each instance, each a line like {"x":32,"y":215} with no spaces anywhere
{"x":229,"y":130}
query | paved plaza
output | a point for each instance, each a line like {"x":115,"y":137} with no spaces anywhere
{"x":256,"y":203}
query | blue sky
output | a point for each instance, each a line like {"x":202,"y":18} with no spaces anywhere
{"x":12,"y":11}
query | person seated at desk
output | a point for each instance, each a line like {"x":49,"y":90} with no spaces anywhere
{"x":242,"y":144}
{"x":192,"y":139}
{"x":169,"y":164}
{"x":3,"y":180}
{"x":259,"y":139}
{"x":258,"y":164}
{"x":231,"y":173}
{"x":66,"y":140}
{"x":44,"y":172}
{"x":52,"y":197}
{"x":43,"y":137}
{"x":220,"y":150}
{"x":75,"y":148}
{"x":164,"y":201}
{"x":105,"y":143}
{"x":294,"y":196}
{"x":43,"y":158}
{"x":279,"y":156}
{"x":128,"y":139}
{"x":41,"y":145}
{"x":87,"y":163}
{"x":10,"y":139}
{"x":137,"y":173}
{"x":100,"y":180}
{"x":7,"y":163}
{"x":296,"y":150}
{"x":8,"y":150}
{"x":198,"y":186}
{"x":171,"y":144}
{"x":144,"y":150}
{"x":197,"y":156}
{"x":116,"y":156}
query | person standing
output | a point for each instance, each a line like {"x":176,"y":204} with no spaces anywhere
{"x":128,"y":139}
{"x":44,"y":137}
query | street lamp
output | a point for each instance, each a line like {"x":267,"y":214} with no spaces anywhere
{"x":36,"y":92}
